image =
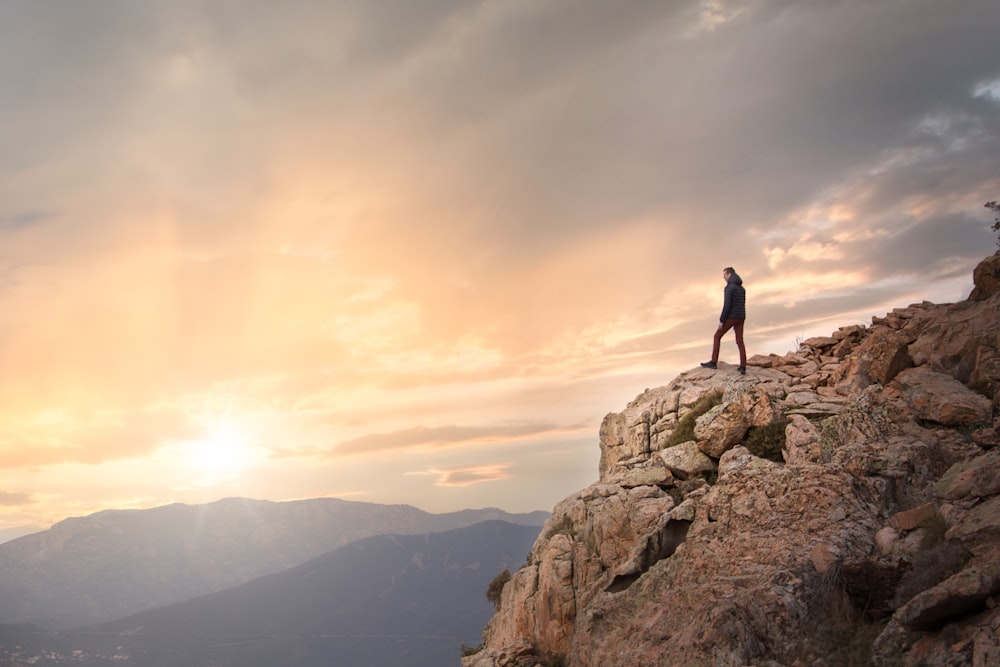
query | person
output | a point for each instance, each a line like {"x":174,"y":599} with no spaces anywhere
{"x":734,"y":314}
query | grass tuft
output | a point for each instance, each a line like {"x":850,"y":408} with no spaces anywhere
{"x":767,"y":442}
{"x":684,"y":431}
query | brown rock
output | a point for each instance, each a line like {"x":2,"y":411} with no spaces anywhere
{"x":744,"y":404}
{"x":878,"y":359}
{"x":686,"y":460}
{"x":913,"y":518}
{"x":977,"y":478}
{"x":802,"y":442}
{"x":819,"y":342}
{"x":955,"y":596}
{"x":720,"y":428}
{"x":943,"y":399}
{"x":981,"y":524}
{"x":986,"y":278}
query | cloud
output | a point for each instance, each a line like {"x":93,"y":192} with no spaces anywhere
{"x":349,"y":218}
{"x":22,"y":219}
{"x":57,"y":437}
{"x":8,"y":499}
{"x":463,"y":476}
{"x":445,"y":436}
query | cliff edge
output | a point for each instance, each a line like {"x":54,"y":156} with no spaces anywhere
{"x":839,"y":505}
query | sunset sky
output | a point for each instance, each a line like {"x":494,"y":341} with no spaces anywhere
{"x":414,"y":251}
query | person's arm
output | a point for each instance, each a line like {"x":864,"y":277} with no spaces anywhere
{"x":727,"y":304}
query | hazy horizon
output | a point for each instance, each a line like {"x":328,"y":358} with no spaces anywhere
{"x":415,"y":253}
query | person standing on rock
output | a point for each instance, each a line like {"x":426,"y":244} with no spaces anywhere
{"x":734,"y":313}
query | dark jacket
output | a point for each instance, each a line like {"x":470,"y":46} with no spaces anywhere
{"x":734,"y":307}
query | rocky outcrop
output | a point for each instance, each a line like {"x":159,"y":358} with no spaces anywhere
{"x":835,"y":505}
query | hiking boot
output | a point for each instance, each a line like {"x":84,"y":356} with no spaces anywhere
{"x":708,"y":364}
{"x":742,"y":370}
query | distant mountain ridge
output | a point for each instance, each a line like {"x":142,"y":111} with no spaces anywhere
{"x":404,"y":600}
{"x":114,"y":563}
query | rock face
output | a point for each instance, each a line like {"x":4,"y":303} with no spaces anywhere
{"x":838,"y":505}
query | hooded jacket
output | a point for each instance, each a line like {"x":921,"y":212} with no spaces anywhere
{"x":734,"y":305}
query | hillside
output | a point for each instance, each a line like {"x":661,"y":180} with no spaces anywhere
{"x":114,"y":563}
{"x":837,"y":505}
{"x":409,"y":600}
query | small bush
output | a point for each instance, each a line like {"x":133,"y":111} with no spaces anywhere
{"x":494,"y":590}
{"x":767,"y":441}
{"x":470,"y":650}
{"x":555,"y":660}
{"x":684,"y":430}
{"x":930,"y":568}
{"x":841,"y":634}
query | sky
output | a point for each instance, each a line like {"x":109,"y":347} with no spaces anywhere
{"x":413,"y":252}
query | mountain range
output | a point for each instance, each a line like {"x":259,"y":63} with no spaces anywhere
{"x":409,"y":600}
{"x":111,"y":564}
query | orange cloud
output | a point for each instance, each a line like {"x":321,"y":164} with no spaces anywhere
{"x":443,"y":436}
{"x":462,"y":476}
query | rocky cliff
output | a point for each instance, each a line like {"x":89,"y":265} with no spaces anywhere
{"x":839,"y":505}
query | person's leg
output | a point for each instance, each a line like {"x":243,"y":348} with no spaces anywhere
{"x":717,"y":341}
{"x":738,"y":330}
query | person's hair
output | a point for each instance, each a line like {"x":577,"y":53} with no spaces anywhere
{"x":729,"y":269}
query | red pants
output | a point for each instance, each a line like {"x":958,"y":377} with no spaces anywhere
{"x":737,"y":327}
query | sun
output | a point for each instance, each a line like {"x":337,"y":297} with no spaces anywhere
{"x":222,"y":451}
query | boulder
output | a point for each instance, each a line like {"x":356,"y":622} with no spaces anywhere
{"x":977,"y":478}
{"x":802,"y":442}
{"x":940,"y":398}
{"x":720,"y":428}
{"x":686,"y":460}
{"x":878,"y":359}
{"x":956,"y":596}
{"x":986,"y":279}
{"x":744,"y":404}
{"x":981,"y":525}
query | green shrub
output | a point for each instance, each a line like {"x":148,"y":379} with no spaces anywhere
{"x":767,"y":441}
{"x":494,"y":590}
{"x":470,"y":650}
{"x":684,"y":430}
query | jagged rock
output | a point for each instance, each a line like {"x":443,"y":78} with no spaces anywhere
{"x":743,"y":405}
{"x":589,"y":538}
{"x":650,"y":473}
{"x":720,"y":428}
{"x":802,"y":442}
{"x":977,"y":477}
{"x":819,"y":342}
{"x":961,"y":340}
{"x":986,"y":279}
{"x":940,"y":398}
{"x":518,"y":653}
{"x":878,"y":359}
{"x":913,"y":518}
{"x":765,"y":361}
{"x":955,"y":596}
{"x":883,"y":497}
{"x":647,"y":422}
{"x":981,"y":521}
{"x":686,"y":460}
